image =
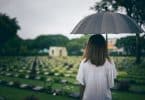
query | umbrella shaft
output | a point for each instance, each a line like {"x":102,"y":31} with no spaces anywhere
{"x":107,"y":42}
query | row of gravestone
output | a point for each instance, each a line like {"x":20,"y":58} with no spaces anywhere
{"x":33,"y":72}
{"x":48,"y":90}
{"x":122,"y":85}
{"x":43,"y":78}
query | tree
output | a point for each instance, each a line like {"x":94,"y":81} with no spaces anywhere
{"x":8,"y":28}
{"x":134,"y":8}
{"x":43,"y":41}
{"x":74,"y":46}
{"x":12,"y":46}
{"x":128,"y":43}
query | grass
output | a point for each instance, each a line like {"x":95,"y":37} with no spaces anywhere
{"x":138,"y":87}
{"x":25,"y":81}
{"x":127,"y":96}
{"x":20,"y":94}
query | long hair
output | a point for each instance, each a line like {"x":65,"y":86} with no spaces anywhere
{"x":96,"y":50}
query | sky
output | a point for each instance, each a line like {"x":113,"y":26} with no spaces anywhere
{"x":44,"y":17}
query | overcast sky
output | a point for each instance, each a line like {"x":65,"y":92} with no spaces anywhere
{"x":38,"y":17}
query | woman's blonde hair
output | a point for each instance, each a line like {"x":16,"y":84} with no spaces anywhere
{"x":96,"y":50}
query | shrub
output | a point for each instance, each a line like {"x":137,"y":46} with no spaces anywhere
{"x":123,"y":85}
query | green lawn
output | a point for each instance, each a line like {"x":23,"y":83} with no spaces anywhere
{"x":20,"y":94}
{"x":22,"y":80}
{"x":127,"y":96}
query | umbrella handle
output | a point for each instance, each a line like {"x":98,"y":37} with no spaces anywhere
{"x":106,"y":42}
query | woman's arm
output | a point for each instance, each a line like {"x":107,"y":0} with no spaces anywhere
{"x":82,"y":88}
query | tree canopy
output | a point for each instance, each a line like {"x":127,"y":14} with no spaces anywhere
{"x":129,"y":44}
{"x":45,"y":41}
{"x":134,"y":8}
{"x":8,"y":28}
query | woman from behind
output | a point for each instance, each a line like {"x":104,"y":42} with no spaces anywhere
{"x":97,"y":71}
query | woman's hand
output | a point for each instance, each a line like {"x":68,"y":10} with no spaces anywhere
{"x":82,"y":88}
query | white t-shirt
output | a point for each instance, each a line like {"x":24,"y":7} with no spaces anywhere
{"x":97,"y":80}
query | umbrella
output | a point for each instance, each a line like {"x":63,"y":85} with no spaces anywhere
{"x":106,"y":22}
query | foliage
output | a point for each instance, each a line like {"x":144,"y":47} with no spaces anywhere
{"x":8,"y":28}
{"x":12,"y":46}
{"x":42,"y":42}
{"x":134,"y":8}
{"x":123,"y":85}
{"x":75,"y":46}
{"x":129,"y":44}
{"x":17,"y":46}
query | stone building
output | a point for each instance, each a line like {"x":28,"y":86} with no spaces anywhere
{"x":55,"y":51}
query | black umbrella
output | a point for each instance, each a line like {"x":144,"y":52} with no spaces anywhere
{"x":106,"y":22}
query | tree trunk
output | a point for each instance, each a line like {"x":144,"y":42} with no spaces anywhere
{"x":138,"y":49}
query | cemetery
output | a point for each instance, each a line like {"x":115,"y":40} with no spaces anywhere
{"x":57,"y":76}
{"x":42,"y":45}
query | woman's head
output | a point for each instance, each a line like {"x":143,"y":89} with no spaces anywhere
{"x":96,"y":50}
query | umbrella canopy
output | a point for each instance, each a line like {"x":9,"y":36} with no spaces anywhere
{"x":106,"y":22}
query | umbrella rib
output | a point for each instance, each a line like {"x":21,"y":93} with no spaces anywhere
{"x":129,"y":26}
{"x":113,"y":21}
{"x":102,"y":23}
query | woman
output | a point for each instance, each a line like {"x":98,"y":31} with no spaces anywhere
{"x":97,"y":71}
